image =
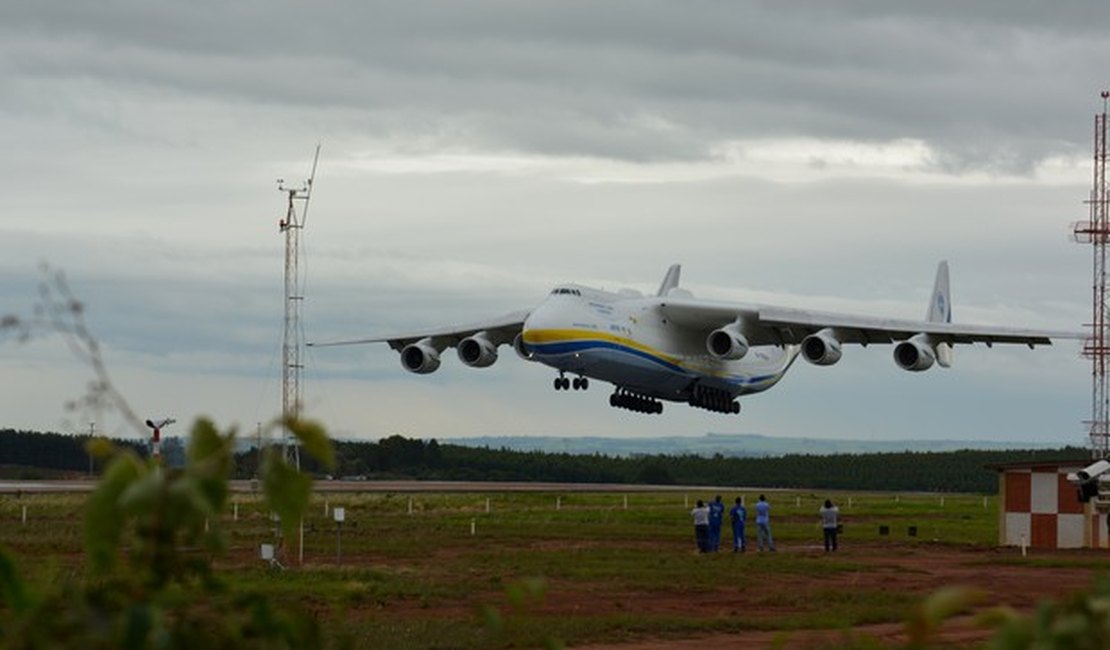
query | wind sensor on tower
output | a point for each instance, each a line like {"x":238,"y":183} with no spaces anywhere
{"x":293,"y":340}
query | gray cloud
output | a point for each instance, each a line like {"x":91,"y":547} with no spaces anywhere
{"x":477,"y":153}
{"x":601,"y":80}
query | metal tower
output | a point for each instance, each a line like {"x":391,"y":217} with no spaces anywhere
{"x":1096,"y":231}
{"x":293,"y":341}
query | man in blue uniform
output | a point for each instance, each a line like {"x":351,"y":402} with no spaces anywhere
{"x":716,"y":517}
{"x":739,"y":515}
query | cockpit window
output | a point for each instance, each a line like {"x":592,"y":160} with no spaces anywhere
{"x":564,"y":291}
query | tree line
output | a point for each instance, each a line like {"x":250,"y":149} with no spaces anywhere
{"x":398,"y":457}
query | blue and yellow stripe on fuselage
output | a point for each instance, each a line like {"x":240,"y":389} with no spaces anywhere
{"x":632,"y":364}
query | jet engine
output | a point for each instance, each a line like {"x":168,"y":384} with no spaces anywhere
{"x":821,"y":349}
{"x":915,"y":354}
{"x":477,"y":351}
{"x":420,"y":357}
{"x":519,"y":348}
{"x":727,"y":343}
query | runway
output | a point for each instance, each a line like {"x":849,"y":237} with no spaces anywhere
{"x":330,"y":486}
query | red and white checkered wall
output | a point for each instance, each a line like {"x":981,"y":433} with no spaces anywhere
{"x":1041,"y":509}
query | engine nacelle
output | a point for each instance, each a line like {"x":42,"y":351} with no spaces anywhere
{"x":521,"y":350}
{"x":821,"y":349}
{"x":477,"y":351}
{"x":727,"y":343}
{"x":420,"y":357}
{"x":914,"y":355}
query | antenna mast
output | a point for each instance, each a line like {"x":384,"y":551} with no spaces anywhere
{"x":293,"y":341}
{"x":1096,"y":231}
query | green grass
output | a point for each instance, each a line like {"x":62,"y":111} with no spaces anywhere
{"x":419,"y":578}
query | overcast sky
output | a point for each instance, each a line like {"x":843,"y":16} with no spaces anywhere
{"x":474,"y":154}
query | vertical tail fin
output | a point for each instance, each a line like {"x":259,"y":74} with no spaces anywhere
{"x":670,"y":281}
{"x":940,"y":311}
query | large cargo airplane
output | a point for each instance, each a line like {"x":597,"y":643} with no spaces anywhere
{"x":675,"y":348}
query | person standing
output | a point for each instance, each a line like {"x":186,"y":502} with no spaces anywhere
{"x":716,"y":518}
{"x":700,"y":514}
{"x":763,"y":524}
{"x":830,"y":521}
{"x":738,"y":514}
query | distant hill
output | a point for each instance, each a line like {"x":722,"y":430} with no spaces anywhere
{"x":730,"y":445}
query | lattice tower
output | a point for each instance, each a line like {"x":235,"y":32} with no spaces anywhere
{"x":293,"y":339}
{"x":1096,"y":231}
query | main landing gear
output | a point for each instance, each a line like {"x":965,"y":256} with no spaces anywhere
{"x":624,"y":399}
{"x":713,"y":399}
{"x":579,"y":383}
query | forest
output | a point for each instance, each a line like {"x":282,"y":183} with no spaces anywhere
{"x":34,"y":455}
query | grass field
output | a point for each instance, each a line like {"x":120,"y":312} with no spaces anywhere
{"x":474,"y":570}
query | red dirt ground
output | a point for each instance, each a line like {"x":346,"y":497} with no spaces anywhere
{"x":916,"y":569}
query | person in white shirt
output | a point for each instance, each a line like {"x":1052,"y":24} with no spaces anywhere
{"x":763,"y":524}
{"x":830,"y":522}
{"x":701,"y":526}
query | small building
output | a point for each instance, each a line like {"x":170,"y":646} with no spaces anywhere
{"x":1041,"y":509}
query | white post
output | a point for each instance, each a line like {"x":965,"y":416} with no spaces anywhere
{"x":410,"y":505}
{"x":326,"y":508}
{"x":1023,"y":545}
{"x":487,"y":505}
{"x":686,"y":500}
{"x":942,"y":501}
{"x":798,"y":502}
{"x":849,"y":503}
{"x":984,"y":502}
{"x":24,"y":515}
{"x":235,"y":512}
{"x":558,"y":503}
{"x":473,"y":527}
{"x":626,"y":502}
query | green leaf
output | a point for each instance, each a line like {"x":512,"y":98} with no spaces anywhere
{"x":938,"y":607}
{"x":287,"y":490}
{"x":100,"y":448}
{"x":104,"y":518}
{"x":205,"y":442}
{"x":210,"y":461}
{"x":12,"y":592}
{"x":314,"y":440}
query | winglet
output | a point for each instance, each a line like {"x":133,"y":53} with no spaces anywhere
{"x":670,"y":281}
{"x":940,"y":311}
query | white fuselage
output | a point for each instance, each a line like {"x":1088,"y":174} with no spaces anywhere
{"x":624,"y":339}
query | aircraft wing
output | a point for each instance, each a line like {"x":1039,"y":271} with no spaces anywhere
{"x":766,"y":325}
{"x":498,"y":330}
{"x":796,"y":324}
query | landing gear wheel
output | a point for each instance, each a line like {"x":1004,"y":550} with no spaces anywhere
{"x":577,"y":383}
{"x":564,"y":383}
{"x":585,"y":383}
